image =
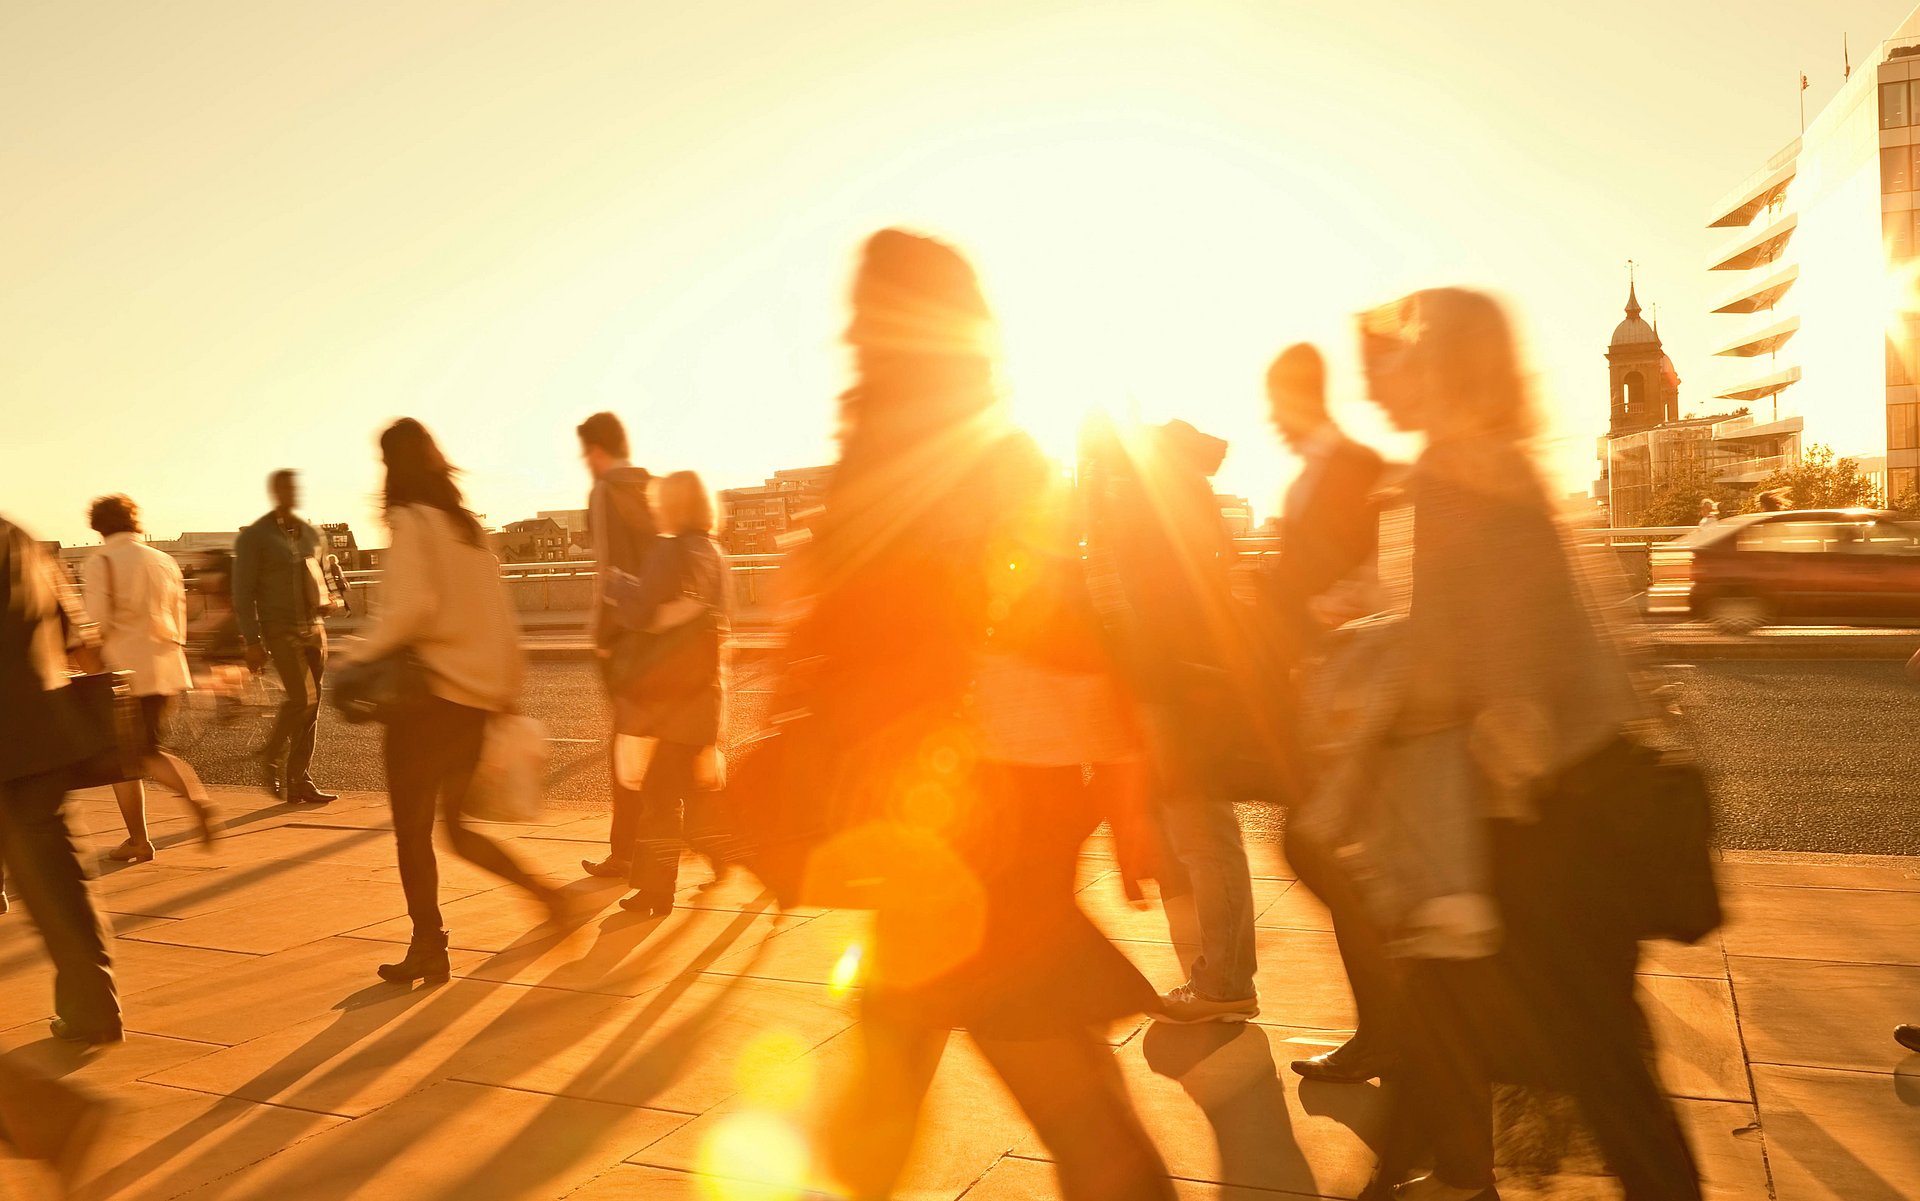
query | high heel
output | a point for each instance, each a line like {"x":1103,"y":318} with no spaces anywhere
{"x":425,"y":960}
{"x":132,"y":852}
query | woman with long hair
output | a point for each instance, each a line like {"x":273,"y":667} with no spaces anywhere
{"x":445,"y":603}
{"x":1509,"y":717}
{"x":681,"y":598}
{"x":973,"y":829}
{"x":137,"y":597}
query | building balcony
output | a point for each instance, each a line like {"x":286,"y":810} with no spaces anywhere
{"x":1764,"y":340}
{"x":1758,"y":249}
{"x":1765,"y":386}
{"x":1761,"y":189}
{"x":1754,"y":298}
{"x":1752,"y":471}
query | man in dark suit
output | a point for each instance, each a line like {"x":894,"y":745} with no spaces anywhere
{"x":281,"y":599}
{"x":1329,"y":539}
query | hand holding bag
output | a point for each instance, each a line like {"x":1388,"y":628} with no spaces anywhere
{"x":106,"y":714}
{"x":379,"y":689}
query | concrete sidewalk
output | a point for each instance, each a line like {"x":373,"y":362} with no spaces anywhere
{"x":685,"y":1058}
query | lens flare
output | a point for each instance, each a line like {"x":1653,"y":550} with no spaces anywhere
{"x":846,"y":973}
{"x":753,"y":1157}
{"x":774,"y":1073}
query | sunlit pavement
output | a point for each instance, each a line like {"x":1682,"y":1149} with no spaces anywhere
{"x":691,"y":1057}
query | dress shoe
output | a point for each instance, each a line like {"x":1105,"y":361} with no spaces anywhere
{"x":1185,"y":1006}
{"x":426,"y":959}
{"x":312,"y":796}
{"x":652,"y":906}
{"x":66,"y":1031}
{"x":608,"y":868}
{"x":1350,"y":1063}
{"x":131,"y":852}
{"x":1906,"y":1036}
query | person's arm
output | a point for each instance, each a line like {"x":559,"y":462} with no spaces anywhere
{"x":96,"y":598}
{"x":599,"y":533}
{"x":245,"y":587}
{"x":409,"y":591}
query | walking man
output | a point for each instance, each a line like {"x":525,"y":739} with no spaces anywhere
{"x":620,"y":522}
{"x":280,"y":599}
{"x":1329,"y":541}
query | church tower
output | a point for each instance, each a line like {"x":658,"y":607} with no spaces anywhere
{"x":1643,"y":383}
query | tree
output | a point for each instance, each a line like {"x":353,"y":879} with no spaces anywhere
{"x":1676,"y":499}
{"x":1820,"y":480}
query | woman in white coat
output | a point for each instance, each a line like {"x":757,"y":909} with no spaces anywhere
{"x":134,"y":593}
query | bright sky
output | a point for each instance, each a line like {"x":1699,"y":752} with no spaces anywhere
{"x":242,"y":234}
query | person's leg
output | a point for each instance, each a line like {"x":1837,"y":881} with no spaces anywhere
{"x":412,"y":753}
{"x":1440,"y":1095}
{"x":47,"y":1119}
{"x":1370,"y":972}
{"x":312,"y":656}
{"x":462,"y":730}
{"x":871,"y":1130}
{"x":655,"y":858}
{"x":289,"y":663}
{"x":44,"y":862}
{"x":1206,"y":836}
{"x":131,"y":796}
{"x":1071,"y":1090}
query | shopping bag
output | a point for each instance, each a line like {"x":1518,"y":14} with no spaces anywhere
{"x":510,"y":783}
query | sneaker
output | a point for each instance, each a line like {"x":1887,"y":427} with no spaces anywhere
{"x":1184,"y":1006}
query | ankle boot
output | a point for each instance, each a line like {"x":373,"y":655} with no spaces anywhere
{"x":426,"y":960}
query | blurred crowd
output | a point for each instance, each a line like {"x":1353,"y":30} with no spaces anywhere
{"x":989,"y":657}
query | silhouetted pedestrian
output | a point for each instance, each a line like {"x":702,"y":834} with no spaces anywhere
{"x":280,"y":600}
{"x":621,"y":525}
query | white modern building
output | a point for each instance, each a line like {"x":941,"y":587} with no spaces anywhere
{"x":1820,"y":271}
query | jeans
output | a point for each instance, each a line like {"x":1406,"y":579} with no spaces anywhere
{"x":663,"y":794}
{"x":44,"y":862}
{"x":1205,"y":834}
{"x":300,"y":659}
{"x":431,"y":753}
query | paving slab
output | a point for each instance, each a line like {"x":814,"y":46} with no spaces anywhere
{"x":631,"y":1182}
{"x":454,"y":1142}
{"x":1706,"y":958}
{"x":685,"y":1047}
{"x":624,"y":954}
{"x":1824,"y":1015}
{"x":1299,"y":978}
{"x":769,"y":1134}
{"x":1223,"y":1108}
{"x":388,"y":1041}
{"x":1017,"y":1178}
{"x":1844,"y":1136}
{"x":294,"y":918}
{"x":242,"y":998}
{"x":160,"y":891}
{"x":1105,"y":902}
{"x":1745,"y":869}
{"x":494,"y":920}
{"x":1800,"y":923}
{"x":27,"y":994}
{"x":162,"y":1142}
{"x":1697,"y":1036}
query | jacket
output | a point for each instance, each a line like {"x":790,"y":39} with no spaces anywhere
{"x":1331,"y":533}
{"x":443,"y":599}
{"x":136,"y":596}
{"x":620,"y":522}
{"x":276,"y":585}
{"x":685,"y":700}
{"x":38,"y":627}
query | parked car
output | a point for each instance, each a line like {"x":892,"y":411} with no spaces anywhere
{"x":1844,"y":566}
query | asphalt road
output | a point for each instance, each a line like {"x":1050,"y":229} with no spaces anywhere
{"x":1806,"y":754}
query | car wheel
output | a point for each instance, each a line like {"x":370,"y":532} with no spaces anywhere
{"x":1739,"y":614}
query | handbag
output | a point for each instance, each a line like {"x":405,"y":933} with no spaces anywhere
{"x":380,"y":689}
{"x":107,"y":718}
{"x":509,"y":784}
